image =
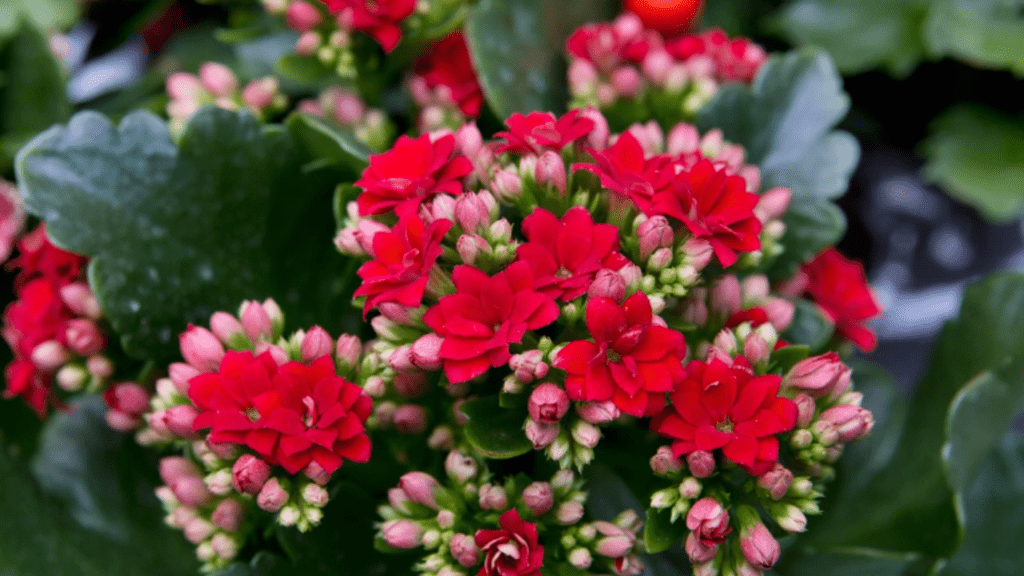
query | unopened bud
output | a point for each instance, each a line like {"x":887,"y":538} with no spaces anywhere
{"x":597,"y":412}
{"x":569,"y":513}
{"x":541,"y":435}
{"x":608,"y":284}
{"x":585,"y":433}
{"x":460,"y":467}
{"x":228,"y":515}
{"x":218,"y":79}
{"x":201,"y":349}
{"x":402,"y":534}
{"x":539,"y":498}
{"x":50,"y":355}
{"x":551,"y":171}
{"x":701,"y":463}
{"x":272,"y":496}
{"x":411,"y":419}
{"x":256,"y":321}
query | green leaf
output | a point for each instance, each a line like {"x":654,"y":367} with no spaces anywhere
{"x":95,"y":513}
{"x":176,"y":234}
{"x":518,"y":50}
{"x":494,"y":431}
{"x":608,"y":493}
{"x":785,"y":122}
{"x":897,"y":498}
{"x":50,"y":15}
{"x":809,"y":327}
{"x":977,"y":155}
{"x":326,"y":144}
{"x":859,"y":34}
{"x":862,"y":562}
{"x":784,"y":359}
{"x":660,"y":533}
{"x":32,"y":96}
{"x":995,"y":522}
{"x":987,"y":33}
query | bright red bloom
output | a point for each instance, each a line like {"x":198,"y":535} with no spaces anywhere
{"x":37,"y":256}
{"x":735,"y":60}
{"x":23,"y":379}
{"x":36,"y":316}
{"x":756,"y":316}
{"x":841,"y":290}
{"x":448,"y":64}
{"x":623,"y":169}
{"x":539,"y":132}
{"x":606,"y":46}
{"x":378,"y":18}
{"x":511,"y":551}
{"x":631,"y":362}
{"x":411,"y":172}
{"x":484,"y":316}
{"x":290,"y":415}
{"x":404,"y":257}
{"x":566,"y":254}
{"x":713,"y":204}
{"x":722,"y":406}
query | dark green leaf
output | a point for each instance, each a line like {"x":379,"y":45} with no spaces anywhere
{"x":326,"y":143}
{"x":176,"y":234}
{"x":860,"y":34}
{"x":41,"y":14}
{"x":305,"y":69}
{"x":809,"y":327}
{"x":811,"y":226}
{"x":977,"y":155}
{"x":608,"y":493}
{"x":494,"y":431}
{"x":660,"y":533}
{"x":518,"y":50}
{"x":785,"y":358}
{"x":853,"y":563}
{"x":986,"y":33}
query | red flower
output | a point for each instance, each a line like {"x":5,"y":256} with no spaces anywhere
{"x":511,"y":551}
{"x":735,"y":60}
{"x":539,"y":132}
{"x":448,"y":64}
{"x":378,"y":18}
{"x":23,"y":379}
{"x":756,"y":316}
{"x":566,"y":254}
{"x":290,"y":415}
{"x":404,"y":256}
{"x":713,"y":204}
{"x":721,"y":406}
{"x":486,"y":315}
{"x":39,"y":257}
{"x":607,"y":46}
{"x":36,"y":316}
{"x":841,"y":290}
{"x":411,"y":172}
{"x":631,"y":361}
{"x":623,"y":169}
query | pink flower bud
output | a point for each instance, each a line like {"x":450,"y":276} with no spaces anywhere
{"x":627,"y":81}
{"x":201,"y":349}
{"x":460,"y":467}
{"x":50,"y":355}
{"x":493,"y":498}
{"x":597,"y":412}
{"x":420,"y":487}
{"x":256,"y":321}
{"x":425,"y":352}
{"x":272,"y":496}
{"x":825,"y":432}
{"x":683,"y":139}
{"x":411,"y":419}
{"x":469,"y":247}
{"x":184,"y":86}
{"x":83,"y":337}
{"x":541,"y":434}
{"x":708,"y":521}
{"x":249,"y":474}
{"x":701,"y":463}
{"x":468,"y":139}
{"x":197,"y":530}
{"x":661,"y":258}
{"x":260,"y":93}
{"x":276,"y":352}
{"x":402,"y":534}
{"x":226,"y":327}
{"x":307,"y":45}
{"x":551,"y":171}
{"x":122,"y":421}
{"x":539,"y":498}
{"x":598,"y":137}
{"x":726,"y":297}
{"x":548,"y":403}
{"x":302,"y":16}
{"x":665,"y":463}
{"x":608,"y":284}
{"x":224,"y":546}
{"x":580,"y":558}
{"x":698,"y":551}
{"x":316,"y":344}
{"x":180,"y":373}
{"x":654,"y":233}
{"x":471,"y":214}
{"x":789,"y":518}
{"x":507,"y":185}
{"x":218,"y":79}
{"x":656,"y":66}
{"x":174,"y":468}
{"x":805,"y":407}
{"x":759,"y":547}
{"x":81,"y":300}
{"x":819,"y":376}
{"x":315,"y":495}
{"x":569,"y":513}
{"x":650,"y":137}
{"x":773,"y":204}
{"x":756,"y":349}
{"x":528,"y":366}
{"x":779,"y":311}
{"x":179,"y":419}
{"x":585,"y":433}
{"x":616,"y":541}
{"x":582,"y":76}
{"x":851,"y":422}
{"x":347,"y":352}
{"x":191,"y":491}
{"x":228,"y":515}
{"x":464,"y":550}
{"x":776,"y":481}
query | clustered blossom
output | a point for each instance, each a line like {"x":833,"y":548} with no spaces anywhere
{"x":54,"y":328}
{"x":444,"y":85}
{"x":378,"y":18}
{"x":346,"y":110}
{"x":269,"y":419}
{"x":840,"y":289}
{"x":621,"y":62}
{"x":217,"y":85}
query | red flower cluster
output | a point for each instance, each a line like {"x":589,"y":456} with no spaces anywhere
{"x":448,"y":65}
{"x":404,"y":257}
{"x":566,"y":254}
{"x":484,"y":316}
{"x":539,"y":132}
{"x":606,"y":46}
{"x":36,"y":324}
{"x":631,"y":362}
{"x":411,"y":172}
{"x":290,"y":415}
{"x":712,"y":203}
{"x":722,"y":406}
{"x":734,"y":60}
{"x":511,"y":551}
{"x":840,"y":288}
{"x":378,"y":18}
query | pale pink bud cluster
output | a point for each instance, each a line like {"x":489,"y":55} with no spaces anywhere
{"x":614,"y":544}
{"x":528,"y":366}
{"x":12,"y":218}
{"x":343,"y":108}
{"x":218,"y":85}
{"x":127,"y":402}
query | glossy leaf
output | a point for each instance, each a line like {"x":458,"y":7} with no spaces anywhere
{"x":256,"y":225}
{"x":494,"y":431}
{"x":809,"y":328}
{"x":811,"y":226}
{"x":660,"y":533}
{"x":977,"y":155}
{"x":518,"y":50}
{"x":987,"y":33}
{"x":328,"y":145}
{"x":41,"y":14}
